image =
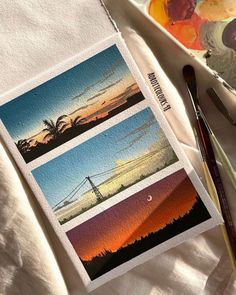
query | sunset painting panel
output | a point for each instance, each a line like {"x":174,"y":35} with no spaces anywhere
{"x":137,"y":224}
{"x":70,"y":104}
{"x":105,"y":165}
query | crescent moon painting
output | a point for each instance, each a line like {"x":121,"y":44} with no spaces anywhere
{"x":149,"y":198}
{"x":130,"y":227}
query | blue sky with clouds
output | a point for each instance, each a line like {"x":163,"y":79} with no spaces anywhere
{"x":62,"y":94}
{"x":59,"y":176}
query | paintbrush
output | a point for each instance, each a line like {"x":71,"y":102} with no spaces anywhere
{"x":213,"y":193}
{"x":228,"y":168}
{"x":215,"y":187}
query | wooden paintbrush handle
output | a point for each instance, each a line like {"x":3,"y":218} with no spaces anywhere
{"x":213,"y":193}
{"x":214,"y":171}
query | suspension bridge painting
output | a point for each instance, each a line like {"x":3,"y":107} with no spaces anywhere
{"x":70,"y":104}
{"x":139,"y":223}
{"x":105,"y":165}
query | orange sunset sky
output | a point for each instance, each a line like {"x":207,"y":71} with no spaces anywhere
{"x":134,"y":217}
{"x":100,"y":105}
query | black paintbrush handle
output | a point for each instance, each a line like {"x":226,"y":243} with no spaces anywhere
{"x":214,"y":171}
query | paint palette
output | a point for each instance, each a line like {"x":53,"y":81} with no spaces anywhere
{"x":201,"y":25}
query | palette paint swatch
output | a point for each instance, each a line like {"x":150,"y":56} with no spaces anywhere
{"x":202,"y":25}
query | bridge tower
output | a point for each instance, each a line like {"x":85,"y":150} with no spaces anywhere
{"x":98,"y":194}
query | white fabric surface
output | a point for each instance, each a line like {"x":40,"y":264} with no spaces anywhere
{"x":36,"y":35}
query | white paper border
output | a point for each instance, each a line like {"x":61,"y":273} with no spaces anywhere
{"x":150,"y":102}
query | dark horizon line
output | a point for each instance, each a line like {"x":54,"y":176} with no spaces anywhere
{"x":72,"y":112}
{"x":30,"y":153}
{"x":103,"y":264}
{"x":142,"y":237}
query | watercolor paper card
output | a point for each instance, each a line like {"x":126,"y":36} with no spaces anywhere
{"x":111,"y":89}
{"x":104,"y":164}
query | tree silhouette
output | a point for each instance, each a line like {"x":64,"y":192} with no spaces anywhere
{"x":73,"y":123}
{"x":54,"y":129}
{"x":108,"y":260}
{"x":76,"y":121}
{"x":23,"y":145}
{"x":59,"y":132}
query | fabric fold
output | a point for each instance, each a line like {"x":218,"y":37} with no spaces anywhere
{"x":32,"y":261}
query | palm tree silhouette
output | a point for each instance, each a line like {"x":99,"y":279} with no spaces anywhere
{"x":23,"y":145}
{"x":54,"y":129}
{"x":76,"y":121}
{"x":73,"y":123}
